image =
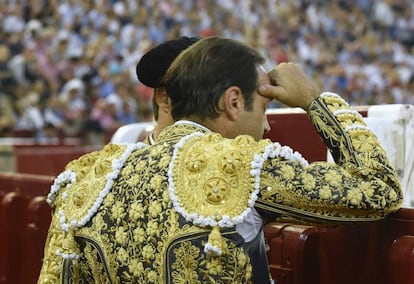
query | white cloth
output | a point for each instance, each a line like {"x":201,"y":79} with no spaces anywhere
{"x":250,"y":226}
{"x":394,"y":127}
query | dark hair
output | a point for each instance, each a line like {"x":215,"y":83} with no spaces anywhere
{"x":155,"y":106}
{"x":199,"y":76}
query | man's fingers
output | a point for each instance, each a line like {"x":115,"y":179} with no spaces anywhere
{"x":270,"y":91}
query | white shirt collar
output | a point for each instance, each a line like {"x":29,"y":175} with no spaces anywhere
{"x":151,"y":138}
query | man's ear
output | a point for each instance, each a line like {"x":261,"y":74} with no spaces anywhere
{"x":162,"y":99}
{"x":233,"y":102}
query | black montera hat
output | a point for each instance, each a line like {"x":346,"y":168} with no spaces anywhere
{"x":153,"y":65}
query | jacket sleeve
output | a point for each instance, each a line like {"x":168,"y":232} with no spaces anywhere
{"x":361,"y":186}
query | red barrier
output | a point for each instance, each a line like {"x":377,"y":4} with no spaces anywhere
{"x":292,"y":249}
{"x":296,"y":131}
{"x":39,"y":213}
{"x":380,"y":252}
{"x":46,"y":159}
{"x":293,"y":127}
{"x":357,"y":253}
{"x":401,"y":261}
{"x":12,"y":221}
{"x":24,"y":218}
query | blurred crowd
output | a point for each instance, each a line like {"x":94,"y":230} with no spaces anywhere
{"x":67,"y":68}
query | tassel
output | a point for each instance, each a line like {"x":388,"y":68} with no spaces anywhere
{"x":216,"y":244}
{"x":69,"y":246}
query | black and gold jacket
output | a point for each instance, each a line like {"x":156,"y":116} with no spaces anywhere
{"x":166,"y":213}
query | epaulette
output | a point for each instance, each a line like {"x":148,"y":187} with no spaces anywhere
{"x":210,"y":184}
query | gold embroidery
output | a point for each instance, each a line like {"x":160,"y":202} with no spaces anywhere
{"x":141,"y":238}
{"x":325,"y":191}
{"x":85,"y":191}
{"x":186,"y":264}
{"x":95,"y":266}
{"x":206,"y":187}
{"x":136,"y":228}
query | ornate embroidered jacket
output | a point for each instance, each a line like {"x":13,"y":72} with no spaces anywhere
{"x":173,"y":212}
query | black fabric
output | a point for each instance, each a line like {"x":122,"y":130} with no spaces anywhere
{"x":256,"y":249}
{"x":154,"y":64}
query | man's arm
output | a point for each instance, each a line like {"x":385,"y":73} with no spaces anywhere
{"x":361,"y":186}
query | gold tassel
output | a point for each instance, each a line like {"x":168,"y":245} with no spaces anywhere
{"x":69,"y":244}
{"x":216,"y":245}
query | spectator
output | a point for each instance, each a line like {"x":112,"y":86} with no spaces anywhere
{"x":7,"y":119}
{"x":58,"y":41}
{"x":29,"y":118}
{"x":54,"y":117}
{"x":72,"y":98}
{"x":125,"y":104}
